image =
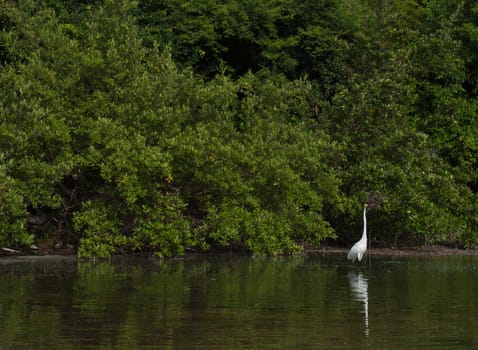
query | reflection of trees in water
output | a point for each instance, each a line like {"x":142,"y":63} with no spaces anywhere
{"x":220,"y":302}
{"x":359,"y":285}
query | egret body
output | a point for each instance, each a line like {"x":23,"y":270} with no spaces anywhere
{"x":358,"y":249}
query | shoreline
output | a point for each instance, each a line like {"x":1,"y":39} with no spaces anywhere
{"x":431,"y":250}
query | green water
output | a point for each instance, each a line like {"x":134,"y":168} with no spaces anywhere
{"x":233,"y":302}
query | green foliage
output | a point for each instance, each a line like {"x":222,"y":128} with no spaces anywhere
{"x":137,"y":156}
{"x":13,"y":225}
{"x":163,"y":227}
{"x":249,"y":167}
{"x":101,"y":229}
{"x":288,"y":37}
{"x":126,"y":152}
{"x":391,"y":148}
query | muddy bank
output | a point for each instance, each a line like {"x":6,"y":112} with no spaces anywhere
{"x":436,"y":250}
{"x":403,"y":251}
{"x":67,"y":250}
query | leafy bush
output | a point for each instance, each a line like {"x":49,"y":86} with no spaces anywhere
{"x":13,"y":224}
{"x":125,"y":152}
{"x":138,"y":156}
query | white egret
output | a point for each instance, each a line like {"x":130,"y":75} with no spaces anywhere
{"x":358,"y":249}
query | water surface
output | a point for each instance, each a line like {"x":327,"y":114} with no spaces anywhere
{"x":237,"y":302}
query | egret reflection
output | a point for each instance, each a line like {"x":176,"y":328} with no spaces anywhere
{"x":359,"y":285}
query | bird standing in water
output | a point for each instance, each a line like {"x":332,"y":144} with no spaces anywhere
{"x":358,"y":249}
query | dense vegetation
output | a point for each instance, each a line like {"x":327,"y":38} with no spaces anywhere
{"x":258,"y":125}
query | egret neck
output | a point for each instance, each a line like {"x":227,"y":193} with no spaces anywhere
{"x":364,"y":235}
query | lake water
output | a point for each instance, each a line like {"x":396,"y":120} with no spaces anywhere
{"x":237,"y":302}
